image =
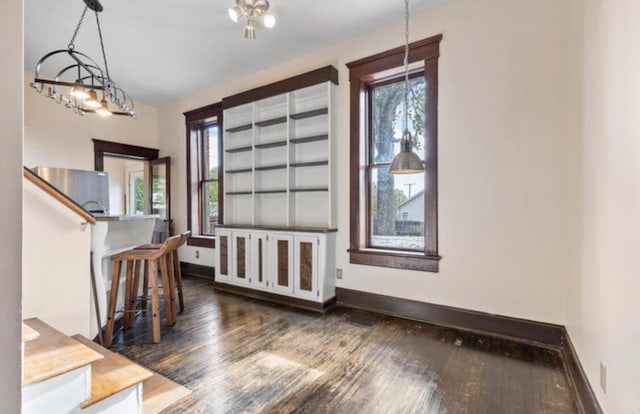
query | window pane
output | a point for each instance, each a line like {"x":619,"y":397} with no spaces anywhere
{"x":397,"y":210}
{"x":138,"y":195}
{"x":388,"y":115}
{"x":210,"y":153}
{"x":210,"y":208}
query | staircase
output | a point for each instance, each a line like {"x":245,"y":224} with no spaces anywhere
{"x":75,"y":375}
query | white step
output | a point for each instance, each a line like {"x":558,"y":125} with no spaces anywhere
{"x":116,"y":383}
{"x":57,"y":371}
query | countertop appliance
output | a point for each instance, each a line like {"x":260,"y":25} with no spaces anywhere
{"x":90,"y":189}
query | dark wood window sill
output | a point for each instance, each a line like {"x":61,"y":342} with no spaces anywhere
{"x":202,"y":241}
{"x":397,"y":260}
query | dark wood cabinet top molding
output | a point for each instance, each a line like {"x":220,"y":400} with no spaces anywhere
{"x":327,"y":73}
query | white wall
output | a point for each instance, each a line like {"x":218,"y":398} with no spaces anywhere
{"x":501,"y":149}
{"x":603,"y":298}
{"x":11,"y":206}
{"x":56,"y":137}
{"x":56,"y":281}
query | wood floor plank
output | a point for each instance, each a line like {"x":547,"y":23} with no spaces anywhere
{"x":244,"y":355}
{"x":160,"y":393}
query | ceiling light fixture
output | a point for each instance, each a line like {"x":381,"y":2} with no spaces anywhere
{"x":78,"y":78}
{"x":253,"y":10}
{"x":406,"y":161}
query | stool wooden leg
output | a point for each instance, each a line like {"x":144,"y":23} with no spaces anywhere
{"x":136,"y":283}
{"x":113,"y":298}
{"x":128,"y":287}
{"x":145,"y":285}
{"x":166,"y":290}
{"x":178,"y":274}
{"x":155,"y":306}
{"x":172,"y":286}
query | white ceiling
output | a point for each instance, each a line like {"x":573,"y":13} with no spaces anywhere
{"x":162,"y":50}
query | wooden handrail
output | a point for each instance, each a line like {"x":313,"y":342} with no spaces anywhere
{"x":53,"y":192}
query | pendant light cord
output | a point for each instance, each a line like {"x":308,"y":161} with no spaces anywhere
{"x":406,"y":65}
{"x":71,"y":44}
{"x":104,"y":55}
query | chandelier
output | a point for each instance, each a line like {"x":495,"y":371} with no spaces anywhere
{"x":253,"y":10}
{"x":406,"y":161}
{"x":79,"y":82}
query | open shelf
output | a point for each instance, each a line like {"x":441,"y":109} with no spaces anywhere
{"x":310,"y":114}
{"x":239,"y":149}
{"x":309,"y":164}
{"x":313,"y":138}
{"x":240,"y":128}
{"x":271,"y":167}
{"x":270,"y":191}
{"x":272,"y":144}
{"x":240,"y":170}
{"x":281,"y":169}
{"x":272,"y":121}
{"x":309,"y":189}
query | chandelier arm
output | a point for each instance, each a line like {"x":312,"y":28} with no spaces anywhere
{"x":71,"y":44}
{"x":104,"y":55}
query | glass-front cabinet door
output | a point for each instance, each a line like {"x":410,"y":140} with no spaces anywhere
{"x":241,"y":258}
{"x":306,"y":267}
{"x":223,"y":255}
{"x":259,"y":260}
{"x":281,"y":261}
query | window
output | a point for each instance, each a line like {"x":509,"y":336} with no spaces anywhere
{"x":205,"y":185}
{"x":393,"y":220}
{"x":209,"y":177}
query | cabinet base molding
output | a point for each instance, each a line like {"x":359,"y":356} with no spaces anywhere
{"x":280,"y":299}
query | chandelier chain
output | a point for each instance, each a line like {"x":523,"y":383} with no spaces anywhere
{"x":104,"y":55}
{"x":71,"y":44}
{"x":406,"y":64}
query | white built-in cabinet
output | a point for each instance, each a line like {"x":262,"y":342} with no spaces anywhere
{"x":292,"y":264}
{"x":279,"y":188}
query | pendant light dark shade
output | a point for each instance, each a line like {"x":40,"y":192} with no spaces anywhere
{"x":406,"y":161}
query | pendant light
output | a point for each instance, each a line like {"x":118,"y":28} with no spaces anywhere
{"x":406,"y":161}
{"x":77,"y":79}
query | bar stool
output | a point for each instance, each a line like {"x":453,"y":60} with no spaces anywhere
{"x":175,"y":275}
{"x":132,"y":257}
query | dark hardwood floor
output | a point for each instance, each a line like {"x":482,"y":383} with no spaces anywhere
{"x":240,"y":355}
